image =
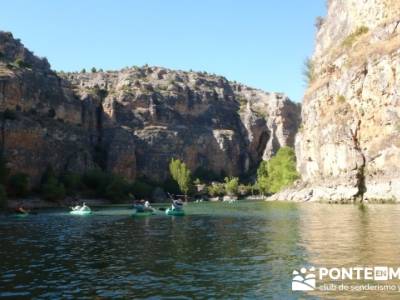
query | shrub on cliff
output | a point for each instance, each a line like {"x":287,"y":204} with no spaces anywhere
{"x":181,"y":174}
{"x":17,"y":185}
{"x":279,"y":172}
{"x":20,"y":63}
{"x":351,"y":38}
{"x":309,"y":71}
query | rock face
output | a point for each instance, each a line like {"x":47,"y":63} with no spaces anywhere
{"x":202,"y":119}
{"x":348,"y":147}
{"x":133,"y":121}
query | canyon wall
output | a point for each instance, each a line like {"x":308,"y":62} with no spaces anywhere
{"x":348,"y":147}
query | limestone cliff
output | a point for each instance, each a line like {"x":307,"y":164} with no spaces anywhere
{"x":202,"y":119}
{"x":348,"y":147}
{"x":133,"y":121}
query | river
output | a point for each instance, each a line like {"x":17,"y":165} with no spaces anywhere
{"x":218,"y":250}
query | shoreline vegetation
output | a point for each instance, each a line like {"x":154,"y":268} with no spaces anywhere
{"x":99,"y":187}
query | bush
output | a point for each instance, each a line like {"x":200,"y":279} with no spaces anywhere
{"x":83,"y":71}
{"x":216,"y":189}
{"x":17,"y":185}
{"x":53,"y":190}
{"x":20,"y":63}
{"x":341,"y":99}
{"x":93,"y":70}
{"x":3,"y":197}
{"x":309,"y":71}
{"x":97,"y":181}
{"x":244,"y":190}
{"x":350,"y":39}
{"x":279,"y":172}
{"x":117,"y":190}
{"x":141,"y":189}
{"x":72,"y":183}
{"x":231,"y":185}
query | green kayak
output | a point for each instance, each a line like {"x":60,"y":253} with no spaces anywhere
{"x":143,"y":214}
{"x":21,"y":215}
{"x":174,"y":212}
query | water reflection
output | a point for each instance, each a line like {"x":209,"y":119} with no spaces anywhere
{"x":217,"y":250}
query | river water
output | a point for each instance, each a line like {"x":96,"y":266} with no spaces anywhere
{"x":218,"y":250}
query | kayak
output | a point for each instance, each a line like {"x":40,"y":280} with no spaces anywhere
{"x":143,"y":214}
{"x":81,"y":212}
{"x":21,"y":215}
{"x":174,"y":212}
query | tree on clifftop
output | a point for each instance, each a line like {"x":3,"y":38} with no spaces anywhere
{"x":181,"y":174}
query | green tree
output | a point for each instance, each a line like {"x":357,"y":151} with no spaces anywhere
{"x":231,"y":185}
{"x":279,"y":172}
{"x":94,"y":70}
{"x":181,"y":174}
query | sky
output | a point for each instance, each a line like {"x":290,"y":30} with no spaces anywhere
{"x":261,"y":43}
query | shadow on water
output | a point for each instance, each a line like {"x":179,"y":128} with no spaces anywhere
{"x":244,"y":249}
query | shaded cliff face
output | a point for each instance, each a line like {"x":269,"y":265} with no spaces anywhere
{"x":349,"y":143}
{"x":133,"y":121}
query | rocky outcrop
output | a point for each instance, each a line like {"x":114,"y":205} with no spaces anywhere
{"x":133,"y":121}
{"x":348,"y":147}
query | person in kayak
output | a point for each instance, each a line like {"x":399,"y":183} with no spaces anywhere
{"x":177,"y":204}
{"x":139,"y":205}
{"x":21,"y":210}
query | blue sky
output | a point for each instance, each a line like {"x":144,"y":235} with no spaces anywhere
{"x":262,"y":43}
